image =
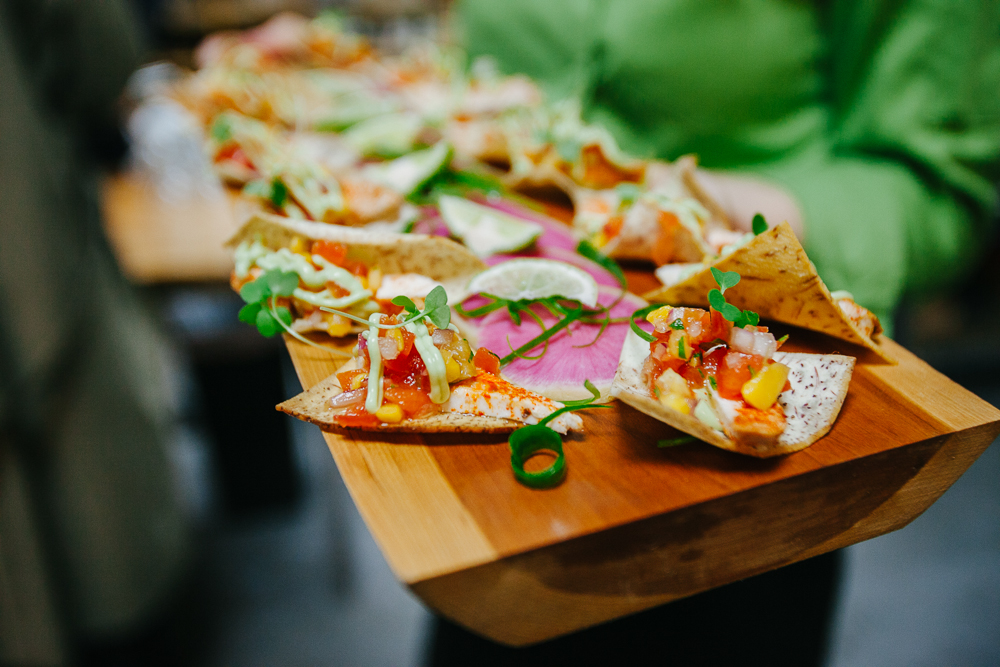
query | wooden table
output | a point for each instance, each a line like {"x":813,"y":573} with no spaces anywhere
{"x":159,"y":241}
{"x":634,"y":526}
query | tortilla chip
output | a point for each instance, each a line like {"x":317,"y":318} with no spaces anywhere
{"x":777,"y":281}
{"x":819,"y":387}
{"x":436,"y":257}
{"x":314,"y":406}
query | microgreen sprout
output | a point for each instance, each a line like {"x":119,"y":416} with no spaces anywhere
{"x":435,"y":309}
{"x":725,"y":280}
{"x":759,"y":225}
{"x":262,"y":311}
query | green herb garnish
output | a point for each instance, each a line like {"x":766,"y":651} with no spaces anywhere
{"x":274,"y":191}
{"x":681,"y":352}
{"x":759,"y":225}
{"x":674,"y":442}
{"x":588,"y":250}
{"x":456,"y":182}
{"x":677,"y":324}
{"x":262,"y":311}
{"x":629,"y":193}
{"x":530,"y":440}
{"x":725,"y":280}
{"x":222,"y":129}
{"x":566,"y":311}
{"x":435,"y":309}
{"x":641,"y":314}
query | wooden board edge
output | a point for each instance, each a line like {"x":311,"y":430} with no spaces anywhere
{"x":957,"y":453}
{"x":934,"y":393}
{"x":416,"y":545}
{"x":534,"y":596}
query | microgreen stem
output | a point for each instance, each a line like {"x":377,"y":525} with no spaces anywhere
{"x":295,"y":334}
{"x":571,"y":317}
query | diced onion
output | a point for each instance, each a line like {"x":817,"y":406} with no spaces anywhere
{"x":348,"y":398}
{"x":753,"y":342}
{"x":387,"y":347}
{"x":659,"y":352}
{"x":442,"y":337}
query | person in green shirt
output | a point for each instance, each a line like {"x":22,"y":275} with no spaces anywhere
{"x":873,"y":127}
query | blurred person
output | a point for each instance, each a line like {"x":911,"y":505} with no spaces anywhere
{"x":92,"y":538}
{"x":872,"y":127}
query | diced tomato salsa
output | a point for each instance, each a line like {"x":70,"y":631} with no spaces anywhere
{"x":406,"y":382}
{"x":694,"y":344}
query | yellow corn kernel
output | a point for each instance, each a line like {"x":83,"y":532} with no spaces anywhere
{"x":659,"y":316}
{"x":396,"y":335}
{"x":390,"y":413}
{"x":679,"y":345}
{"x":674,"y":391}
{"x":677,"y":402}
{"x":761,"y":391}
{"x":336,"y":325}
{"x":374,"y":280}
{"x":357,"y":380}
{"x":300,"y":247}
{"x":451,"y":368}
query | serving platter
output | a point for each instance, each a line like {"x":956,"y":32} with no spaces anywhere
{"x":635,"y":525}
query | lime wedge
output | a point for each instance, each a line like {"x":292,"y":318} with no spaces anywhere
{"x":536,"y":279}
{"x":386,"y":135}
{"x":408,"y":173}
{"x":484,"y":230}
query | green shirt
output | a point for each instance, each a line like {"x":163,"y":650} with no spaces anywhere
{"x":882,"y":118}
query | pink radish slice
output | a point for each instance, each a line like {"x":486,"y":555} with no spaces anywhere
{"x":561,"y":371}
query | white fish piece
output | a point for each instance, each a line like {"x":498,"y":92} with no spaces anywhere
{"x":405,"y":284}
{"x":490,"y":396}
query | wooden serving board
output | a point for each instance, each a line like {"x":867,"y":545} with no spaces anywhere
{"x":634,"y":526}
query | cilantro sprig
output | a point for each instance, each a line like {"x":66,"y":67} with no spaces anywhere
{"x":725,"y":280}
{"x":530,"y":440}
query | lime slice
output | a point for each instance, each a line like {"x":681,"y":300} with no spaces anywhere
{"x":536,"y":279}
{"x":408,"y":173}
{"x":484,"y":230}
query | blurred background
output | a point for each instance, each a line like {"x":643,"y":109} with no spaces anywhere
{"x":275,"y":564}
